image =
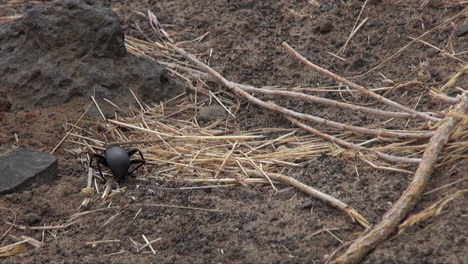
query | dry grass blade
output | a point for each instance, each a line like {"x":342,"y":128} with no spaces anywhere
{"x":452,"y":80}
{"x":95,"y":243}
{"x":6,"y":19}
{"x":355,"y":29}
{"x":13,"y":249}
{"x":22,"y":227}
{"x":432,"y":211}
{"x":447,"y":185}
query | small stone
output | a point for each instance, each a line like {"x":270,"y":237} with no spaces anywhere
{"x":359,"y":63}
{"x":400,"y":21}
{"x":22,"y":169}
{"x":462,"y":30}
{"x":435,"y":3}
{"x":307,"y":204}
{"x":212,"y":112}
{"x":31,"y":218}
{"x":325,"y":27}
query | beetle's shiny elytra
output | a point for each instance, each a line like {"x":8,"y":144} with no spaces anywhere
{"x":117,"y":159}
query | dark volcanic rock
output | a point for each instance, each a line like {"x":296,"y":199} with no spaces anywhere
{"x":73,"y":48}
{"x":21,"y":168}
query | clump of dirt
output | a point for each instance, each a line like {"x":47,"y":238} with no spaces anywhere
{"x":66,"y":49}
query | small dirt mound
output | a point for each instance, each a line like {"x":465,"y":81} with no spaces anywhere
{"x":73,"y":48}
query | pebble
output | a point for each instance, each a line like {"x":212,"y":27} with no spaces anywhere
{"x":212,"y":112}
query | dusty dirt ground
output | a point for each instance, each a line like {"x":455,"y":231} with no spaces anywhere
{"x":253,"y":224}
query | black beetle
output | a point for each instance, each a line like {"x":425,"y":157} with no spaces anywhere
{"x":117,"y":159}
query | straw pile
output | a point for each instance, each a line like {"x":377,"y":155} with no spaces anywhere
{"x":172,"y":138}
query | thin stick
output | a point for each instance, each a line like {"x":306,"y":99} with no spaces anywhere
{"x":137,"y":100}
{"x":316,"y":99}
{"x":355,"y":29}
{"x":22,"y":227}
{"x":262,"y":173}
{"x":93,"y":243}
{"x":272,"y":106}
{"x":98,"y":108}
{"x":148,"y":244}
{"x":112,"y":218}
{"x":222,"y":105}
{"x":439,"y":50}
{"x":66,"y":135}
{"x":14,"y":221}
{"x":386,"y":157}
{"x":108,"y":187}
{"x":221,"y":168}
{"x":356,"y":252}
{"x":443,"y":97}
{"x":351,"y":212}
{"x":33,"y":242}
{"x":114,"y":105}
{"x":361,"y":89}
{"x":12,"y":246}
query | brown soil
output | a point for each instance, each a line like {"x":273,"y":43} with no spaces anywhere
{"x":255,"y":225}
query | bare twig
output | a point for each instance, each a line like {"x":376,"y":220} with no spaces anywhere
{"x":343,"y":143}
{"x":316,"y":99}
{"x":408,"y":200}
{"x":425,"y":116}
{"x":351,"y":212}
{"x":272,"y":106}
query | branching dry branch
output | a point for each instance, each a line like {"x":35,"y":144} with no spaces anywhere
{"x":274,"y":107}
{"x":408,"y":200}
{"x":425,"y":116}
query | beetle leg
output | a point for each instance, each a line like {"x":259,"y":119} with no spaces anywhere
{"x":133,"y":151}
{"x":136,"y":161}
{"x":99,"y":160}
{"x":139,"y":162}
